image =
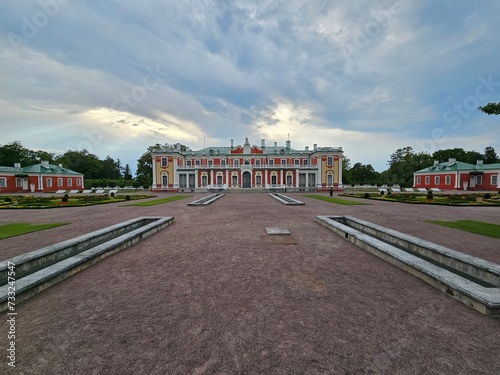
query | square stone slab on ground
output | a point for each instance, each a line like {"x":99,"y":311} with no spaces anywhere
{"x":276,"y":230}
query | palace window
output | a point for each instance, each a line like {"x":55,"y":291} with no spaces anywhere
{"x":447,"y":180}
{"x":329,"y":179}
{"x":479,"y":180}
{"x":219,"y":180}
{"x":247,"y":162}
{"x":3,"y":182}
{"x":223,"y":163}
{"x":329,"y":161}
{"x":257,"y":162}
{"x":270,"y":162}
{"x":273,"y":179}
{"x":197,"y":162}
{"x":59,"y":182}
{"x":164,"y":180}
{"x":494,"y":180}
{"x":427,"y":180}
{"x":48,"y":182}
{"x":70,"y":182}
{"x":236,"y":162}
{"x":234,"y":180}
{"x":188,"y":163}
{"x":289,"y":179}
{"x":204,"y":180}
{"x":164,"y":162}
{"x":283,"y":162}
{"x":437,"y":180}
{"x":258,"y":180}
{"x":305,"y":162}
{"x":19,"y":182}
{"x":210,"y":162}
{"x":297,"y":161}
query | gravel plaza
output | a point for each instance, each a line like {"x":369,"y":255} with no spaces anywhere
{"x":214,"y":293}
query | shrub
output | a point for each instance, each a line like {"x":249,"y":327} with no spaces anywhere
{"x":487,"y":196}
{"x":429,"y":194}
{"x":65,"y":198}
{"x":367,"y":195}
{"x":127,"y":197}
{"x":8,"y":199}
{"x":381,"y":192}
{"x":112,"y":194}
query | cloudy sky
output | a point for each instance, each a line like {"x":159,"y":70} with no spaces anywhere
{"x":117,"y":76}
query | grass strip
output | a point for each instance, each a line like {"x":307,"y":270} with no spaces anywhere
{"x":158,"y":201}
{"x":472,"y":226}
{"x":334,"y":200}
{"x":11,"y":230}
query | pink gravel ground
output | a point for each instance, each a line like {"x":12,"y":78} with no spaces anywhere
{"x":213,"y":294}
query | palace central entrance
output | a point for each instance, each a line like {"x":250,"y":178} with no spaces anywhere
{"x":246,"y":180}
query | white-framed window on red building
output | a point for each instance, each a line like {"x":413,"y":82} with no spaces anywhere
{"x":48,"y":182}
{"x":447,"y":180}
{"x":78,"y":182}
{"x":494,"y":180}
{"x":3,"y":182}
{"x":427,"y":180}
{"x":419,"y":180}
{"x":164,"y":162}
{"x":479,"y":180}
{"x":19,"y":182}
{"x":59,"y":182}
{"x":437,"y":180}
{"x":70,"y":182}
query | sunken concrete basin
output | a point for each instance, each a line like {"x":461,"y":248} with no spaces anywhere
{"x":39,"y":269}
{"x":206,"y":200}
{"x":471,"y":280}
{"x":286,"y":200}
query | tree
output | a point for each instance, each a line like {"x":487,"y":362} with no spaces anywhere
{"x":144,"y":173}
{"x":110,"y":169}
{"x":457,"y":153}
{"x":490,"y":156}
{"x":14,"y":152}
{"x":82,"y":162}
{"x":363,"y":174}
{"x":127,"y":175}
{"x":490,"y":108}
{"x":403,"y":163}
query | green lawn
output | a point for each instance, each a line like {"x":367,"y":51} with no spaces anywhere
{"x":159,"y":201}
{"x":333,"y":200}
{"x":478,"y":227}
{"x":11,"y":230}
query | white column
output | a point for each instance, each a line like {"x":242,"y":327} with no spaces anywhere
{"x":212,"y":181}
{"x":281,"y":177}
{"x":498,"y":180}
{"x":297,"y":176}
{"x":340,"y":173}
{"x":457,"y":180}
{"x":154,"y":173}
{"x":227,"y":177}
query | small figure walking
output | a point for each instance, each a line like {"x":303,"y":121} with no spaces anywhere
{"x":331,"y":191}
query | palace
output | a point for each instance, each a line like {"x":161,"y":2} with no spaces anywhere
{"x":263,"y":168}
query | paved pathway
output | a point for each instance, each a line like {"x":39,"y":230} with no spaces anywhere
{"x":213,"y":294}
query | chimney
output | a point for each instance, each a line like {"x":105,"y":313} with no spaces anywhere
{"x":17,"y":165}
{"x":232,"y":143}
{"x":479,"y":162}
{"x":263,"y":143}
{"x":307,"y":148}
{"x":452,"y":161}
{"x":60,"y":165}
{"x":315,"y":146}
{"x":436,"y":162}
{"x":45,"y":163}
{"x":275,"y":144}
{"x":288,"y":145}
